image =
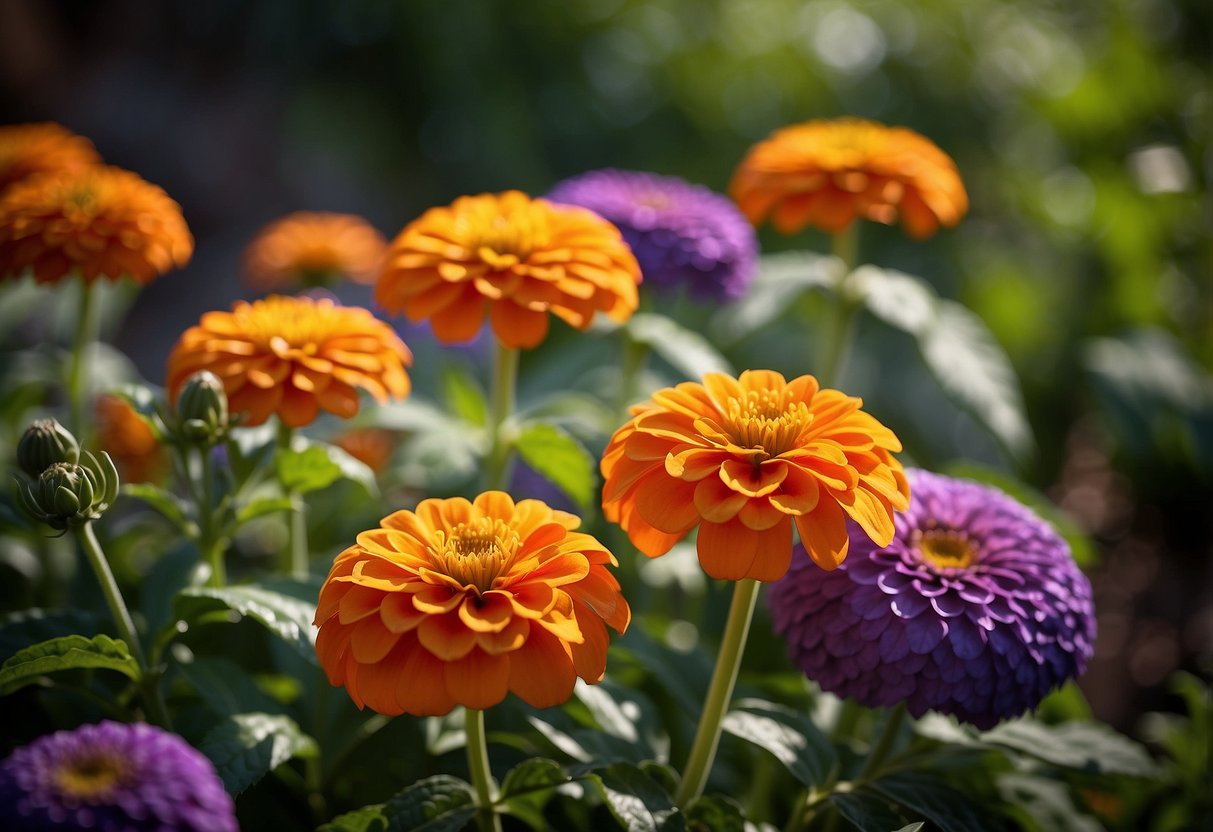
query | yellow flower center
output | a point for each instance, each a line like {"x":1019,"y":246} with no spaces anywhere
{"x":285,"y":325}
{"x":763,"y":421}
{"x":503,"y":240}
{"x":945,"y":549}
{"x":90,"y":777}
{"x":476,"y":553}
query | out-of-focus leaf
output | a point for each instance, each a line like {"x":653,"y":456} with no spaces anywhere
{"x":163,"y":501}
{"x":788,"y":735}
{"x":714,"y":813}
{"x":560,"y":458}
{"x":436,"y":804}
{"x":287,"y":617}
{"x":868,"y":813}
{"x":635,"y":799}
{"x":226,"y":688}
{"x":367,"y":819}
{"x":65,"y":653}
{"x":245,"y":747}
{"x":176,"y":569}
{"x":19,"y":630}
{"x":924,"y":795}
{"x":898,"y":299}
{"x":463,"y":396}
{"x":685,"y":350}
{"x":781,"y":279}
{"x":1084,"y":746}
{"x":586,"y":745}
{"x":261,"y":507}
{"x":310,"y":469}
{"x":529,"y":786}
{"x":1045,"y":804}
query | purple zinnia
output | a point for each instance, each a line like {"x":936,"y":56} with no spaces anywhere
{"x":681,"y":234}
{"x":112,"y":777}
{"x":976,"y":609}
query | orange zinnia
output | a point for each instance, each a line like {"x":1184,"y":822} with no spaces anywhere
{"x":314,"y":249}
{"x":28,"y":149}
{"x":827,"y":173}
{"x":514,"y":258}
{"x":293,"y":356}
{"x":100,"y":222}
{"x":129,"y":441}
{"x":745,"y":458}
{"x":461,"y":602}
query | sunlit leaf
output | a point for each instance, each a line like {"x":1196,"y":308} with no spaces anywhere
{"x":73,"y":652}
{"x":683,"y":349}
{"x":1085,"y":746}
{"x":781,"y":279}
{"x":560,"y":458}
{"x":287,"y":617}
{"x":436,"y":804}
{"x":245,"y":747}
{"x":787,"y":734}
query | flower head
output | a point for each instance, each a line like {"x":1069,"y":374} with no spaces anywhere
{"x":111,"y":776}
{"x":29,"y":149}
{"x":513,"y":258}
{"x":827,"y":173}
{"x":309,"y":249}
{"x":743,"y":459}
{"x":683,"y":235}
{"x":100,"y":222}
{"x":66,"y":495}
{"x":127,"y":438}
{"x":974,"y":609}
{"x":459,"y":603}
{"x":293,"y":356}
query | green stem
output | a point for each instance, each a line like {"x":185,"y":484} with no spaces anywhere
{"x":84,"y":337}
{"x":297,"y":565}
{"x":884,"y":744}
{"x":720,"y":692}
{"x":209,"y":542}
{"x":122,"y":618}
{"x":480,"y":770}
{"x":505,"y":379}
{"x":838,"y":331}
{"x":634,"y":354}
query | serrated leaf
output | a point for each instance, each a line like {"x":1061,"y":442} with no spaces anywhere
{"x":367,"y":819}
{"x":683,"y":349}
{"x":635,"y":799}
{"x":788,"y":735}
{"x":164,"y":501}
{"x":1084,"y":746}
{"x":560,"y":458}
{"x":715,"y":813}
{"x":924,"y":795}
{"x":781,"y":279}
{"x":309,"y":469}
{"x":464,"y":397}
{"x":287,"y":617}
{"x":529,"y":786}
{"x":245,"y":747}
{"x":436,"y":804}
{"x":22,"y":629}
{"x":65,"y":653}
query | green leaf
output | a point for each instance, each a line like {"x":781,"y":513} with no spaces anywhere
{"x":1084,"y":746}
{"x":560,"y":458}
{"x":261,"y":507}
{"x":529,"y":786}
{"x":436,"y":804}
{"x":715,"y":813}
{"x":65,"y":653}
{"x":27,"y":627}
{"x":176,"y":569}
{"x":246,"y":747}
{"x":788,"y":735}
{"x":912,"y":827}
{"x":367,"y":819}
{"x":683,"y":349}
{"x":463,"y":396}
{"x":635,"y":799}
{"x":1044,"y":804}
{"x":309,"y":469}
{"x":924,"y":795}
{"x":866,"y":812}
{"x":287,"y":617}
{"x":225,"y":688}
{"x":163,"y":501}
{"x":781,"y":279}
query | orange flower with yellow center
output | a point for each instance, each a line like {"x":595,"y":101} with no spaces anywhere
{"x":29,"y":149}
{"x":314,"y":249}
{"x":99,"y":222}
{"x":513,"y":258}
{"x":293,"y":356}
{"x":123,"y":434}
{"x":743,"y":459}
{"x":460,"y":603}
{"x":827,"y":173}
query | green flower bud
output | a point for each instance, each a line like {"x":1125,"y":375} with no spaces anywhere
{"x":202,"y":415}
{"x":67,"y":495}
{"x":44,"y":443}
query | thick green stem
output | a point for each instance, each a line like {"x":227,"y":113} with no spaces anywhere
{"x":720,"y":692}
{"x":505,"y":379}
{"x":884,"y":744}
{"x":209,"y":539}
{"x":85,"y":335}
{"x":122,"y":618}
{"x":297,"y":563}
{"x":838,"y":331}
{"x":480,"y":770}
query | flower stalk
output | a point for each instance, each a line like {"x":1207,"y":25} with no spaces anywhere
{"x":505,"y":380}
{"x":481,"y":772}
{"x":838,"y":331}
{"x":296,"y":564}
{"x":720,"y":692}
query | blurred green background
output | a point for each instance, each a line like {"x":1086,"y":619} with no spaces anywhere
{"x":1081,"y":130}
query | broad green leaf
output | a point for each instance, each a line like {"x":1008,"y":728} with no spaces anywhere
{"x":261,"y":507}
{"x":225,"y":688}
{"x":245,"y":747}
{"x":635,"y":799}
{"x":22,"y":629}
{"x":683,"y":349}
{"x":715,"y":813}
{"x":1044,"y":804}
{"x":287,"y":617}
{"x":351,"y":468}
{"x":781,"y":279}
{"x":528,"y":787}
{"x":560,"y":458}
{"x":1084,"y":746}
{"x":463,"y":396}
{"x":866,"y":812}
{"x":787,"y":734}
{"x":586,"y":745}
{"x":924,"y":795}
{"x":65,"y":653}
{"x":309,"y":469}
{"x":436,"y":804}
{"x":176,"y":569}
{"x":367,"y":819}
{"x":163,"y":501}
{"x":900,"y":300}
{"x":917,"y":826}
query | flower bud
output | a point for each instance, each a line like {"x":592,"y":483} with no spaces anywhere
{"x":67,"y":495}
{"x":44,"y":443}
{"x":202,"y":415}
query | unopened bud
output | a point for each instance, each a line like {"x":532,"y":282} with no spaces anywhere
{"x":44,"y":443}
{"x":67,"y":495}
{"x":202,"y":415}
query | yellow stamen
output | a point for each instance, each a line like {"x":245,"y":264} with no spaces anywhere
{"x":945,"y":549}
{"x":762,"y":420}
{"x":88,"y":778}
{"x":475,"y":554}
